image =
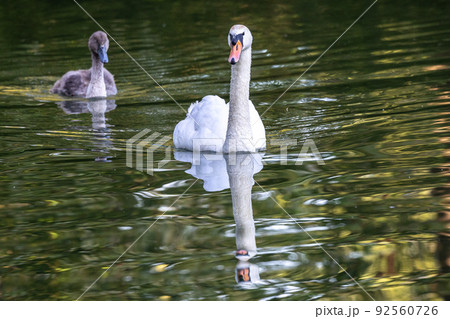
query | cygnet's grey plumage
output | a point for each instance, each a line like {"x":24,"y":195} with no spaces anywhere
{"x":95,"y":82}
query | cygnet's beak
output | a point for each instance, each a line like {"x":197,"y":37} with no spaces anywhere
{"x":102,"y":54}
{"x":235,"y":53}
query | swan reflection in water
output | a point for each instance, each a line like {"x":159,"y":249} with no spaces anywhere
{"x":97,"y":108}
{"x":234,"y":171}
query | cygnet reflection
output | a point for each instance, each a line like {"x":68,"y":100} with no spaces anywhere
{"x":97,"y":107}
{"x":102,"y":143}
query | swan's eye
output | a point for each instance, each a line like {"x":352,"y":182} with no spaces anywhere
{"x":233,"y":40}
{"x":237,"y":38}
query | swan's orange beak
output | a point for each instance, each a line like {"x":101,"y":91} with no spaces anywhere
{"x":235,"y":52}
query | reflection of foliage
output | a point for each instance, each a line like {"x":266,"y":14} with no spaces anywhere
{"x":367,"y":104}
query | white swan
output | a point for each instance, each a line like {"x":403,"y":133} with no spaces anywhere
{"x":213,"y":125}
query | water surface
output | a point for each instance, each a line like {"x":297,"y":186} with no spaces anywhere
{"x":376,"y":106}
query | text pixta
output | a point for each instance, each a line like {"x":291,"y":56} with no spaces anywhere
{"x":336,"y":311}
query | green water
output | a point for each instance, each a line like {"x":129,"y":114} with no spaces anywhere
{"x":376,"y":105}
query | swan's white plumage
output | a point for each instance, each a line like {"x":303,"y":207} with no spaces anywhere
{"x":208,"y":120}
{"x":211,"y":124}
{"x":212,"y":168}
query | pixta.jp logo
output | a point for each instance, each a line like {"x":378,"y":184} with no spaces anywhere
{"x":144,"y":144}
{"x":141,"y":149}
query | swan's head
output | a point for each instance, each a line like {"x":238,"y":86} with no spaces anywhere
{"x":99,"y":44}
{"x":239,"y":39}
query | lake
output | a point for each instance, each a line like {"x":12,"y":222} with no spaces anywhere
{"x":375,"y":105}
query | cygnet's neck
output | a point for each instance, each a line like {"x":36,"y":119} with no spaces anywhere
{"x":98,"y":109}
{"x":97,"y":87}
{"x":239,"y":132}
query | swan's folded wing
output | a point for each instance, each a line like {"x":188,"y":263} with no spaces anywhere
{"x":206,"y":121}
{"x":184,"y":133}
{"x":258,"y":130}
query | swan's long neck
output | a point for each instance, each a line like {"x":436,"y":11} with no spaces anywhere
{"x":239,"y":132}
{"x":97,"y":87}
{"x":240,"y":173}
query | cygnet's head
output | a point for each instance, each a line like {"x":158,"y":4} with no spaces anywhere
{"x":239,"y":39}
{"x":99,"y":44}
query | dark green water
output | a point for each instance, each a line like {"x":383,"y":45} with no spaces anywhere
{"x":376,"y":106}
